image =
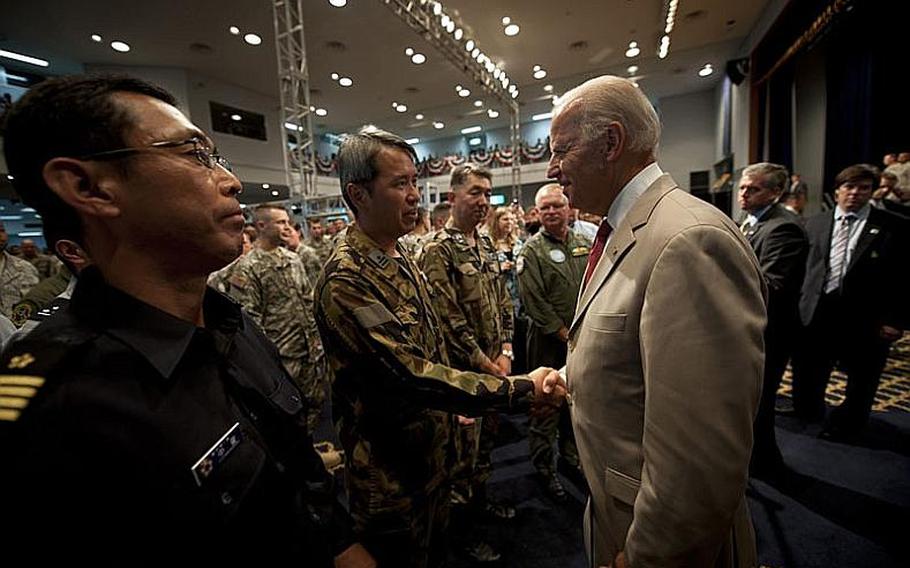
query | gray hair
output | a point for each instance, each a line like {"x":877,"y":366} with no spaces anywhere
{"x":357,"y":157}
{"x":607,"y":99}
{"x":460,"y":174}
{"x":770,"y":176}
{"x":550,"y":189}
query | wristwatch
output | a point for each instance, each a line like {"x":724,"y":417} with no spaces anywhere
{"x":509,"y":353}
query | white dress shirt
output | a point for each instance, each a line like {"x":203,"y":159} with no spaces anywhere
{"x":630,"y":194}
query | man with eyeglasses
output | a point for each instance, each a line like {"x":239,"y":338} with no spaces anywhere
{"x":151,"y":419}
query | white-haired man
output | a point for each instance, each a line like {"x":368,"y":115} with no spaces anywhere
{"x":665,"y":350}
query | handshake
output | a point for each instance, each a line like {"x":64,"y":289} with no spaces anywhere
{"x":549,"y":391}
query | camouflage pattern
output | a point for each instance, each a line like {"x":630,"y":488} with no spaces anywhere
{"x":322,"y":247}
{"x":550,"y":274}
{"x":221,"y":279}
{"x":311,"y":263}
{"x":273,"y":287}
{"x":413,"y":244}
{"x":39,"y":297}
{"x":393,"y":389}
{"x":477,"y":319}
{"x":17,"y":277}
{"x":46,"y":265}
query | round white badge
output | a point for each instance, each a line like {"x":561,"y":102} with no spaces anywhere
{"x":557,"y":255}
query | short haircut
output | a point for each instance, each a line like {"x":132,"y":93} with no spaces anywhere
{"x":771,"y":176}
{"x":66,"y":116}
{"x":550,"y":189}
{"x":460,"y":174}
{"x":441,"y":211}
{"x":357,"y":157}
{"x":890,"y":175}
{"x":314,"y":221}
{"x":607,"y":99}
{"x":260,"y":213}
{"x":857,"y":173}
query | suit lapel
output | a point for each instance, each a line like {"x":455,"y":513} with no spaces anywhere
{"x":870,"y":232}
{"x":827,"y":227}
{"x":621,"y":241}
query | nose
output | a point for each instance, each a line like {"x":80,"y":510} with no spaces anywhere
{"x":553,"y":168}
{"x":230,"y":183}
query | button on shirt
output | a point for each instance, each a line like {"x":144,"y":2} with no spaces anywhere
{"x":856,"y":229}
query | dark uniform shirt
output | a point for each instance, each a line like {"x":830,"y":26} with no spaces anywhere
{"x":129,"y":434}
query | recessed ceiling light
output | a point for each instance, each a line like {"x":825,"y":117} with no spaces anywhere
{"x":506,"y":20}
{"x":321,"y":112}
{"x":459,"y":33}
{"x":464,"y":93}
{"x":444,"y":21}
{"x":633,"y":69}
{"x":265,"y":186}
{"x":96,"y":38}
{"x":334,"y":76}
{"x":10,"y":177}
{"x":120,"y":46}
{"x":418,"y":116}
{"x":338,"y":3}
{"x":24,"y":58}
{"x":469,"y":46}
{"x":536,"y":68}
{"x":234,"y":30}
{"x":515,"y":94}
{"x":478,"y":103}
{"x":493,"y":113}
{"x":437,"y":8}
{"x":706,"y":70}
{"x":274,"y":193}
{"x":418,"y":58}
{"x":540,"y":74}
{"x":471,"y":129}
{"x":412,"y":140}
{"x":409,"y":51}
{"x":345,"y":81}
{"x":633,"y":49}
{"x":252,"y":39}
{"x":475,"y":52}
{"x":236,"y":117}
{"x":512,"y":30}
{"x":548,"y":88}
{"x":401,"y":108}
{"x":542,"y":116}
{"x":450,"y":27}
{"x":497,"y":72}
{"x":439,"y":125}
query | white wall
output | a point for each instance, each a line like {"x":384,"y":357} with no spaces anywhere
{"x":809,"y":125}
{"x":688,"y":139}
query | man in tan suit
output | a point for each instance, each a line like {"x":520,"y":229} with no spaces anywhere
{"x":665,"y":349}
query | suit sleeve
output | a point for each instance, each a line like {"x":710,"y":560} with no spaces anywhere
{"x":701,"y":334}
{"x":533,"y":296}
{"x":439,"y":270}
{"x":783,"y":255}
{"x":353,"y":320}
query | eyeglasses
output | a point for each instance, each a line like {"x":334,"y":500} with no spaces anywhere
{"x":205,"y":156}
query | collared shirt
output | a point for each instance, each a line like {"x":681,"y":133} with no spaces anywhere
{"x":139,"y":425}
{"x":753,"y":218}
{"x":630,"y":194}
{"x":856,"y":229}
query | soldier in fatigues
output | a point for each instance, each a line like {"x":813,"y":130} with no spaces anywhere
{"x":317,"y":240}
{"x":392,"y":388}
{"x":271,"y":284}
{"x":17,"y":276}
{"x":550,"y":270}
{"x":220,"y":279}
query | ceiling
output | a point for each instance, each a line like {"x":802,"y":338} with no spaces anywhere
{"x":571,"y":39}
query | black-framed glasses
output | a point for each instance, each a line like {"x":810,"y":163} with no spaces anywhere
{"x":205,"y":156}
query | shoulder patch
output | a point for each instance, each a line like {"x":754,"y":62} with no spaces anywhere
{"x":379,"y":258}
{"x":22,"y":312}
{"x":580,"y":251}
{"x":16,"y":391}
{"x":373,"y":315}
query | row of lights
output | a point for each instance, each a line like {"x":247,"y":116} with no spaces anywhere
{"x":343,"y":81}
{"x":664,"y":48}
{"x":250,"y":38}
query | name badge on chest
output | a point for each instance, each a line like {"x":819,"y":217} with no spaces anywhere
{"x":557,"y":255}
{"x":217,"y":454}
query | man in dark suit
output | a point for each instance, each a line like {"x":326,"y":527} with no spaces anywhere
{"x":781,"y":246}
{"x":854,"y":253}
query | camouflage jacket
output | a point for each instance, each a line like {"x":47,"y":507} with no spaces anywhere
{"x":322,"y":247}
{"x":312,"y":264}
{"x":470,"y":296}
{"x":392,"y":387}
{"x":272,"y":286}
{"x":17,"y":277}
{"x":549,"y":276}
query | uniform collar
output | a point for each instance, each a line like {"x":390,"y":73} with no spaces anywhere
{"x":158,"y":336}
{"x":366,"y":247}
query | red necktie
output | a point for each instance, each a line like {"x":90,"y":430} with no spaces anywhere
{"x":600,"y":242}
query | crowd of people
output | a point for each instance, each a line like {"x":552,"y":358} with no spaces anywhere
{"x":173,"y":369}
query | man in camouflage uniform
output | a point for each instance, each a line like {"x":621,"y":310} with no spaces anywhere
{"x":317,"y":240}
{"x":393,"y":389}
{"x":550,"y":270}
{"x":414,"y":241}
{"x":17,"y":276}
{"x":271,"y":284}
{"x":46,"y":265}
{"x":476,"y":314}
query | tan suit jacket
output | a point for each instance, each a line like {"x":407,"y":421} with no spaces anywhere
{"x":664,"y":374}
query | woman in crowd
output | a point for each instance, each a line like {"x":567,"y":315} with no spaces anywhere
{"x":502,"y":227}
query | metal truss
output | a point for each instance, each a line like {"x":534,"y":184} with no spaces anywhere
{"x":294,"y":87}
{"x":446,"y":33}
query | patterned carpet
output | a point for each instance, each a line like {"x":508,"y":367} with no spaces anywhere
{"x":893,"y":391}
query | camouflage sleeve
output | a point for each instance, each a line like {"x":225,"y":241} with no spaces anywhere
{"x":311,"y":264}
{"x":29,"y":279}
{"x":461,"y":338}
{"x":356,"y":323}
{"x":506,"y":310}
{"x":246,"y":288}
{"x":533,"y":297}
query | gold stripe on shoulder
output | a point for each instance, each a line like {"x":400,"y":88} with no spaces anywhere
{"x":9,"y":415}
{"x":21,"y":380}
{"x":13,"y":402}
{"x":25,"y":392}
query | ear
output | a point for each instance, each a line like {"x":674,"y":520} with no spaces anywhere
{"x":450,"y":196}
{"x":84,"y":186}
{"x":614,"y":142}
{"x":72,"y":253}
{"x":358,"y":194}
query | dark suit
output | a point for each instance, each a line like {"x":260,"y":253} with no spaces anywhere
{"x":781,"y":246}
{"x":843,"y":326}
